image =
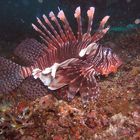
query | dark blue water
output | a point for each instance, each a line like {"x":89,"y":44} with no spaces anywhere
{"x":16,"y":16}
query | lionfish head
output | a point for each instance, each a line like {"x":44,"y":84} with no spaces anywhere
{"x":103,"y":59}
{"x":111,"y":63}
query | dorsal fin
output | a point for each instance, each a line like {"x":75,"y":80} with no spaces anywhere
{"x":66,"y":35}
{"x":77,"y":15}
{"x":90,"y":14}
{"x":67,"y":28}
{"x":53,"y":18}
{"x":60,"y":39}
{"x":101,"y":30}
{"x":47,"y":36}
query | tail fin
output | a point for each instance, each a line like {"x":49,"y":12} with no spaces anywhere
{"x":10,"y":75}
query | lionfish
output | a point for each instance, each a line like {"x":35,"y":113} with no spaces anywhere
{"x":64,"y":63}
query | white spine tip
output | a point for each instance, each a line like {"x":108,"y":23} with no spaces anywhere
{"x":51,"y":14}
{"x":34,"y":27}
{"x":91,"y":11}
{"x":92,"y":8}
{"x":38,"y":20}
{"x":78,"y":9}
{"x":105,"y":19}
{"x":44,"y":16}
{"x":77,"y":12}
{"x":61,"y":15}
{"x":106,"y":29}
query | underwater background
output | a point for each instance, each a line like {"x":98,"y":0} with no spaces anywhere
{"x":115,"y":115}
{"x":17,"y":15}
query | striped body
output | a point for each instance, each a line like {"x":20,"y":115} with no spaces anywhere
{"x":67,"y":63}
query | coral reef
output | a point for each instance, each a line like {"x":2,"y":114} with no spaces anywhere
{"x":116,"y":115}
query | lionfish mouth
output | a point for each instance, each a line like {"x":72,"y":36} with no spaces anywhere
{"x":73,"y":61}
